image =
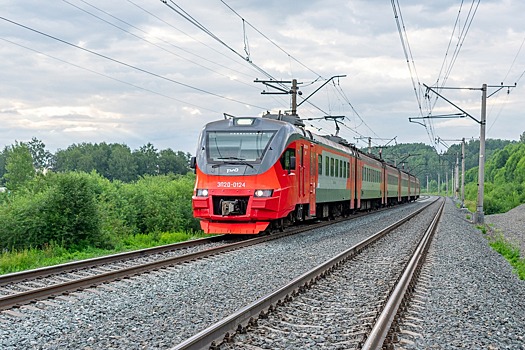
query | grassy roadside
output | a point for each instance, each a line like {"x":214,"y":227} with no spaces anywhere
{"x":508,"y":250}
{"x":498,"y":242}
{"x":14,"y":261}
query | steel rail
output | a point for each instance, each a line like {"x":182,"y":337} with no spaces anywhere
{"x":214,"y":335}
{"x":76,"y":265}
{"x":380,"y":330}
{"x":25,"y":297}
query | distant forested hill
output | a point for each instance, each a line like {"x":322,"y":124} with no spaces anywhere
{"x":422,"y":160}
{"x":504,"y":169}
{"x":504,"y":179}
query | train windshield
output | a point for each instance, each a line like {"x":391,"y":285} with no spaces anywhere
{"x":248,"y":146}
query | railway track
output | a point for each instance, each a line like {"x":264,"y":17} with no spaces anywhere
{"x":308,"y":313}
{"x":21,"y":288}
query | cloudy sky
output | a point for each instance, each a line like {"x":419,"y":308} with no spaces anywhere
{"x":133,"y":72}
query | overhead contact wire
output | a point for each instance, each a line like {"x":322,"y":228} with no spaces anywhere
{"x":149,"y":42}
{"x":270,"y":40}
{"x":397,"y":17}
{"x":181,"y":12}
{"x":107,"y":76}
{"x":129,"y":65}
{"x":182,"y":32}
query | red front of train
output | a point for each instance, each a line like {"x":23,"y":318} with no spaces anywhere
{"x":244,"y":174}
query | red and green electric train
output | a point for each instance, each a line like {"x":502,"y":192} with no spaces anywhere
{"x":261,"y":173}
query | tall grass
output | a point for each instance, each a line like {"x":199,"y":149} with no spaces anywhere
{"x":511,"y":252}
{"x":31,"y":258}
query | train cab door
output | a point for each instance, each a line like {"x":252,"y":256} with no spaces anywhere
{"x":384,"y":185}
{"x":399,"y":182}
{"x":358,"y":182}
{"x":300,"y":165}
{"x":306,"y":166}
{"x":352,"y":181}
{"x":409,"y":187}
{"x":313,"y":178}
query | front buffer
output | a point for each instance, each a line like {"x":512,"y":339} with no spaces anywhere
{"x":240,"y":205}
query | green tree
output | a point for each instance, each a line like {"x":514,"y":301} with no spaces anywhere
{"x":42,"y":159}
{"x":19,"y":166}
{"x":504,"y":180}
{"x":183,"y":161}
{"x":65,"y":160}
{"x":3,"y":157}
{"x":84,"y":157}
{"x":121,"y":164}
{"x":101,"y":154}
{"x":74,"y":158}
{"x":147,"y":160}
{"x":173,"y":162}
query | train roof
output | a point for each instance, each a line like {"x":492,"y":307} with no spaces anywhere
{"x":255,"y":123}
{"x":293,"y":125}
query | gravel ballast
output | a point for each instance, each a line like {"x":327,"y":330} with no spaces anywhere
{"x":474,"y":298}
{"x":160,"y":310}
{"x":338,"y":311}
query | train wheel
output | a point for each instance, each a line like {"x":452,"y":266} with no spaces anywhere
{"x":280,"y":224}
{"x":291,"y":217}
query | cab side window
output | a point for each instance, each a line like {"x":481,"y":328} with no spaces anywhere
{"x":285,"y":159}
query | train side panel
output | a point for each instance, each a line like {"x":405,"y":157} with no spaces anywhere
{"x":404,"y":187}
{"x":370,"y":171}
{"x":393,"y":185}
{"x":333,"y":177}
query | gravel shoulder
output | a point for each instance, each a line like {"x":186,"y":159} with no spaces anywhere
{"x":471,"y":298}
{"x":511,"y":224}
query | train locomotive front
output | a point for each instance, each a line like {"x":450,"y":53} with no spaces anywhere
{"x":244,"y":178}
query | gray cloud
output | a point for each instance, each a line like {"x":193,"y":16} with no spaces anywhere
{"x":62,"y":104}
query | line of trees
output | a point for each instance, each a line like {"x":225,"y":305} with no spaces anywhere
{"x":422,"y":160}
{"x":504,"y":179}
{"x":113,"y":161}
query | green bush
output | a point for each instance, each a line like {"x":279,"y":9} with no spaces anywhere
{"x":71,"y":214}
{"x":80,"y":210}
{"x":64,"y":211}
{"x":115,"y":212}
{"x":161,"y":204}
{"x":21,"y":221}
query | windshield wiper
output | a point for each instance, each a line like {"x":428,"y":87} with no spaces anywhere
{"x":232,"y":158}
{"x":240,"y":161}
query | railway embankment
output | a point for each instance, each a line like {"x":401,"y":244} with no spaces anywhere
{"x":511,"y":225}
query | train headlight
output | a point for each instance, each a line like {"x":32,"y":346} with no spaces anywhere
{"x":243,"y":121}
{"x":263,"y":193}
{"x":202,"y":193}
